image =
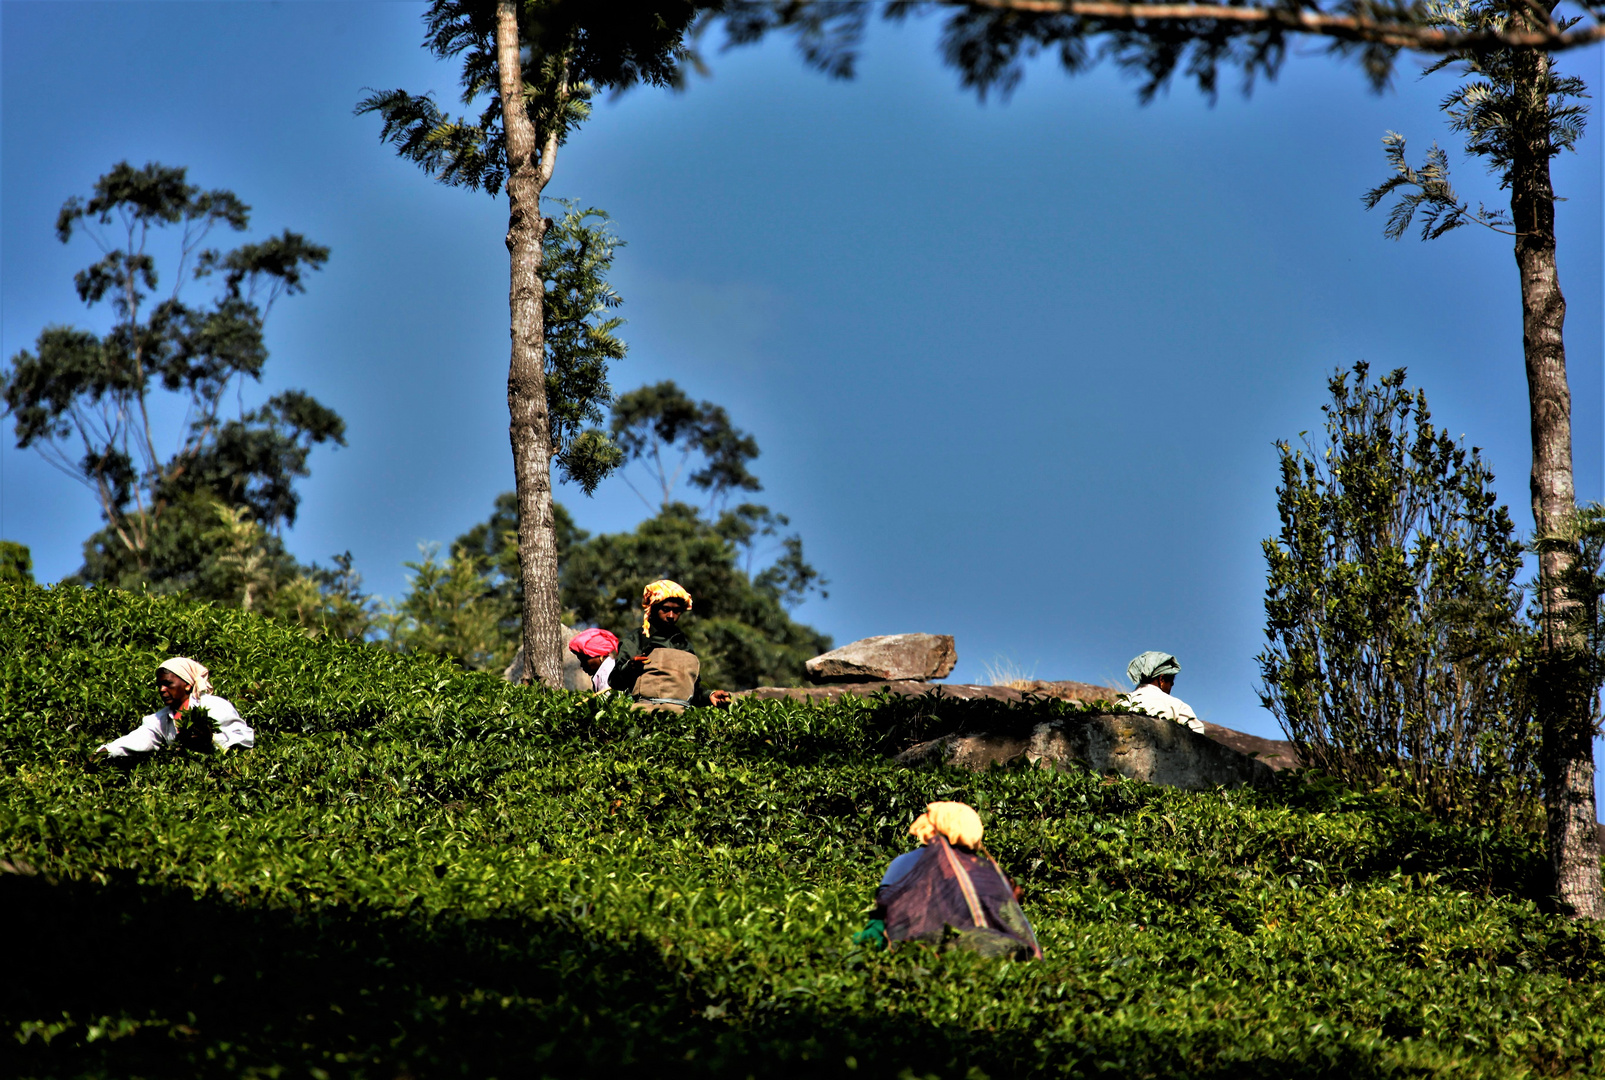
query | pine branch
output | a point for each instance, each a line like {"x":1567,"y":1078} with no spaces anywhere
{"x":1427,"y":191}
{"x":1359,"y":28}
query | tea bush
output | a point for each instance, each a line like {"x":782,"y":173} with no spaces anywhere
{"x":420,"y":871}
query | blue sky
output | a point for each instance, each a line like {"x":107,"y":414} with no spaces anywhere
{"x":1016,"y":368}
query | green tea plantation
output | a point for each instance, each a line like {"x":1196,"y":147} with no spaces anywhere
{"x":421,"y":872}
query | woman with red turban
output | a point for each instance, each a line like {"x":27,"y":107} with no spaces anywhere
{"x":595,"y":648}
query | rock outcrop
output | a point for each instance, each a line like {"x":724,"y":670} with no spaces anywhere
{"x":889,"y":658}
{"x":1066,"y":690}
{"x":1279,"y":754}
{"x":1126,"y":744}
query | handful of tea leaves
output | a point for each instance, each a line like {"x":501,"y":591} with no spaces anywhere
{"x":196,"y":728}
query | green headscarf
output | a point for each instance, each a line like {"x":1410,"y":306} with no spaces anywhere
{"x":1151,"y":665}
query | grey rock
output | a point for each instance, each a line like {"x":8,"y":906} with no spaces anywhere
{"x":1132,"y":745}
{"x":1279,"y":754}
{"x":891,"y":657}
{"x":1068,"y":690}
{"x":899,"y":688}
{"x":574,"y":677}
{"x":1063,"y":691}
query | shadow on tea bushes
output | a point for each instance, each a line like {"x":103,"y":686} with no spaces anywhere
{"x":134,"y":980}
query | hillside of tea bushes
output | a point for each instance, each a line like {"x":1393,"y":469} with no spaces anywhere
{"x":420,"y":872}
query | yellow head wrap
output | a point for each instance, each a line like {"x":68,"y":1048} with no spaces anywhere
{"x":656,"y":593}
{"x":955,"y":820}
{"x":199,"y":679}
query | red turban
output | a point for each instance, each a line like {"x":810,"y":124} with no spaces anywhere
{"x":593,"y":642}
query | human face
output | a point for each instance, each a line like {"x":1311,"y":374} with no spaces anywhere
{"x":172,"y":689}
{"x":1165,"y":682}
{"x":591,"y":664}
{"x":668,"y":612}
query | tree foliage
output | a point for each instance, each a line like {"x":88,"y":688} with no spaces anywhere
{"x":1503,"y":116}
{"x":739,"y":626}
{"x":580,"y":341}
{"x":16,"y":563}
{"x":989,"y":45}
{"x":209,"y":550}
{"x":662,"y":428}
{"x":1393,"y":613}
{"x":467,"y":607}
{"x":743,"y":568}
{"x":575,"y":48}
{"x":452,"y":609}
{"x":87,"y":401}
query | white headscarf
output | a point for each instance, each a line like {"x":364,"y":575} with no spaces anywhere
{"x":199,"y":679}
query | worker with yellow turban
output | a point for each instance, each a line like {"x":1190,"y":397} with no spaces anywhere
{"x":192,"y":715}
{"x":663,"y":672}
{"x":950,"y":891}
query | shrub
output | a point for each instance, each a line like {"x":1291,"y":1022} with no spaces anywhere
{"x":1392,"y":610}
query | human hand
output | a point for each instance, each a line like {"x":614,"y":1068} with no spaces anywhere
{"x":720,"y":698}
{"x":196,"y":735}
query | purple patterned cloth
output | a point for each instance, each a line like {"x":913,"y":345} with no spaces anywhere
{"x":953,"y":896}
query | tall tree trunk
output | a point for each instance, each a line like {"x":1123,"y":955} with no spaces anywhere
{"x":529,"y":427}
{"x":1564,"y":708}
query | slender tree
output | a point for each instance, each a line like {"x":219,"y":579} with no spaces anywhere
{"x":537,"y":63}
{"x":1516,"y":113}
{"x":1394,"y":639}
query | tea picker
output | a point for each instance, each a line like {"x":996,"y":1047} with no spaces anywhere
{"x":192,"y":716}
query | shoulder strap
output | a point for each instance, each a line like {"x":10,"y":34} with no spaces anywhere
{"x":966,"y":886}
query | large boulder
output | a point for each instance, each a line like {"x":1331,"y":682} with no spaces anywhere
{"x":574,"y":677}
{"x":1125,"y":744}
{"x":892,"y":657}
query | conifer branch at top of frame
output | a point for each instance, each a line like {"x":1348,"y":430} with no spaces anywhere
{"x":1418,"y":37}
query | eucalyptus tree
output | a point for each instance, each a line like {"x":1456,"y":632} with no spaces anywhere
{"x":1500,"y":43}
{"x":532,"y":68}
{"x":87,"y":401}
{"x":662,"y":428}
{"x":1517,"y":112}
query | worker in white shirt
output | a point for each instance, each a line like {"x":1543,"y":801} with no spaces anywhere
{"x":1155,"y":673}
{"x":192,"y":716}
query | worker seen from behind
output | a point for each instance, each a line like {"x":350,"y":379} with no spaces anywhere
{"x":950,"y":892}
{"x":1155,"y":673}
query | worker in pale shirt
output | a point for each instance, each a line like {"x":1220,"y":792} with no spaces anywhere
{"x":192,"y":715}
{"x":1155,"y":673}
